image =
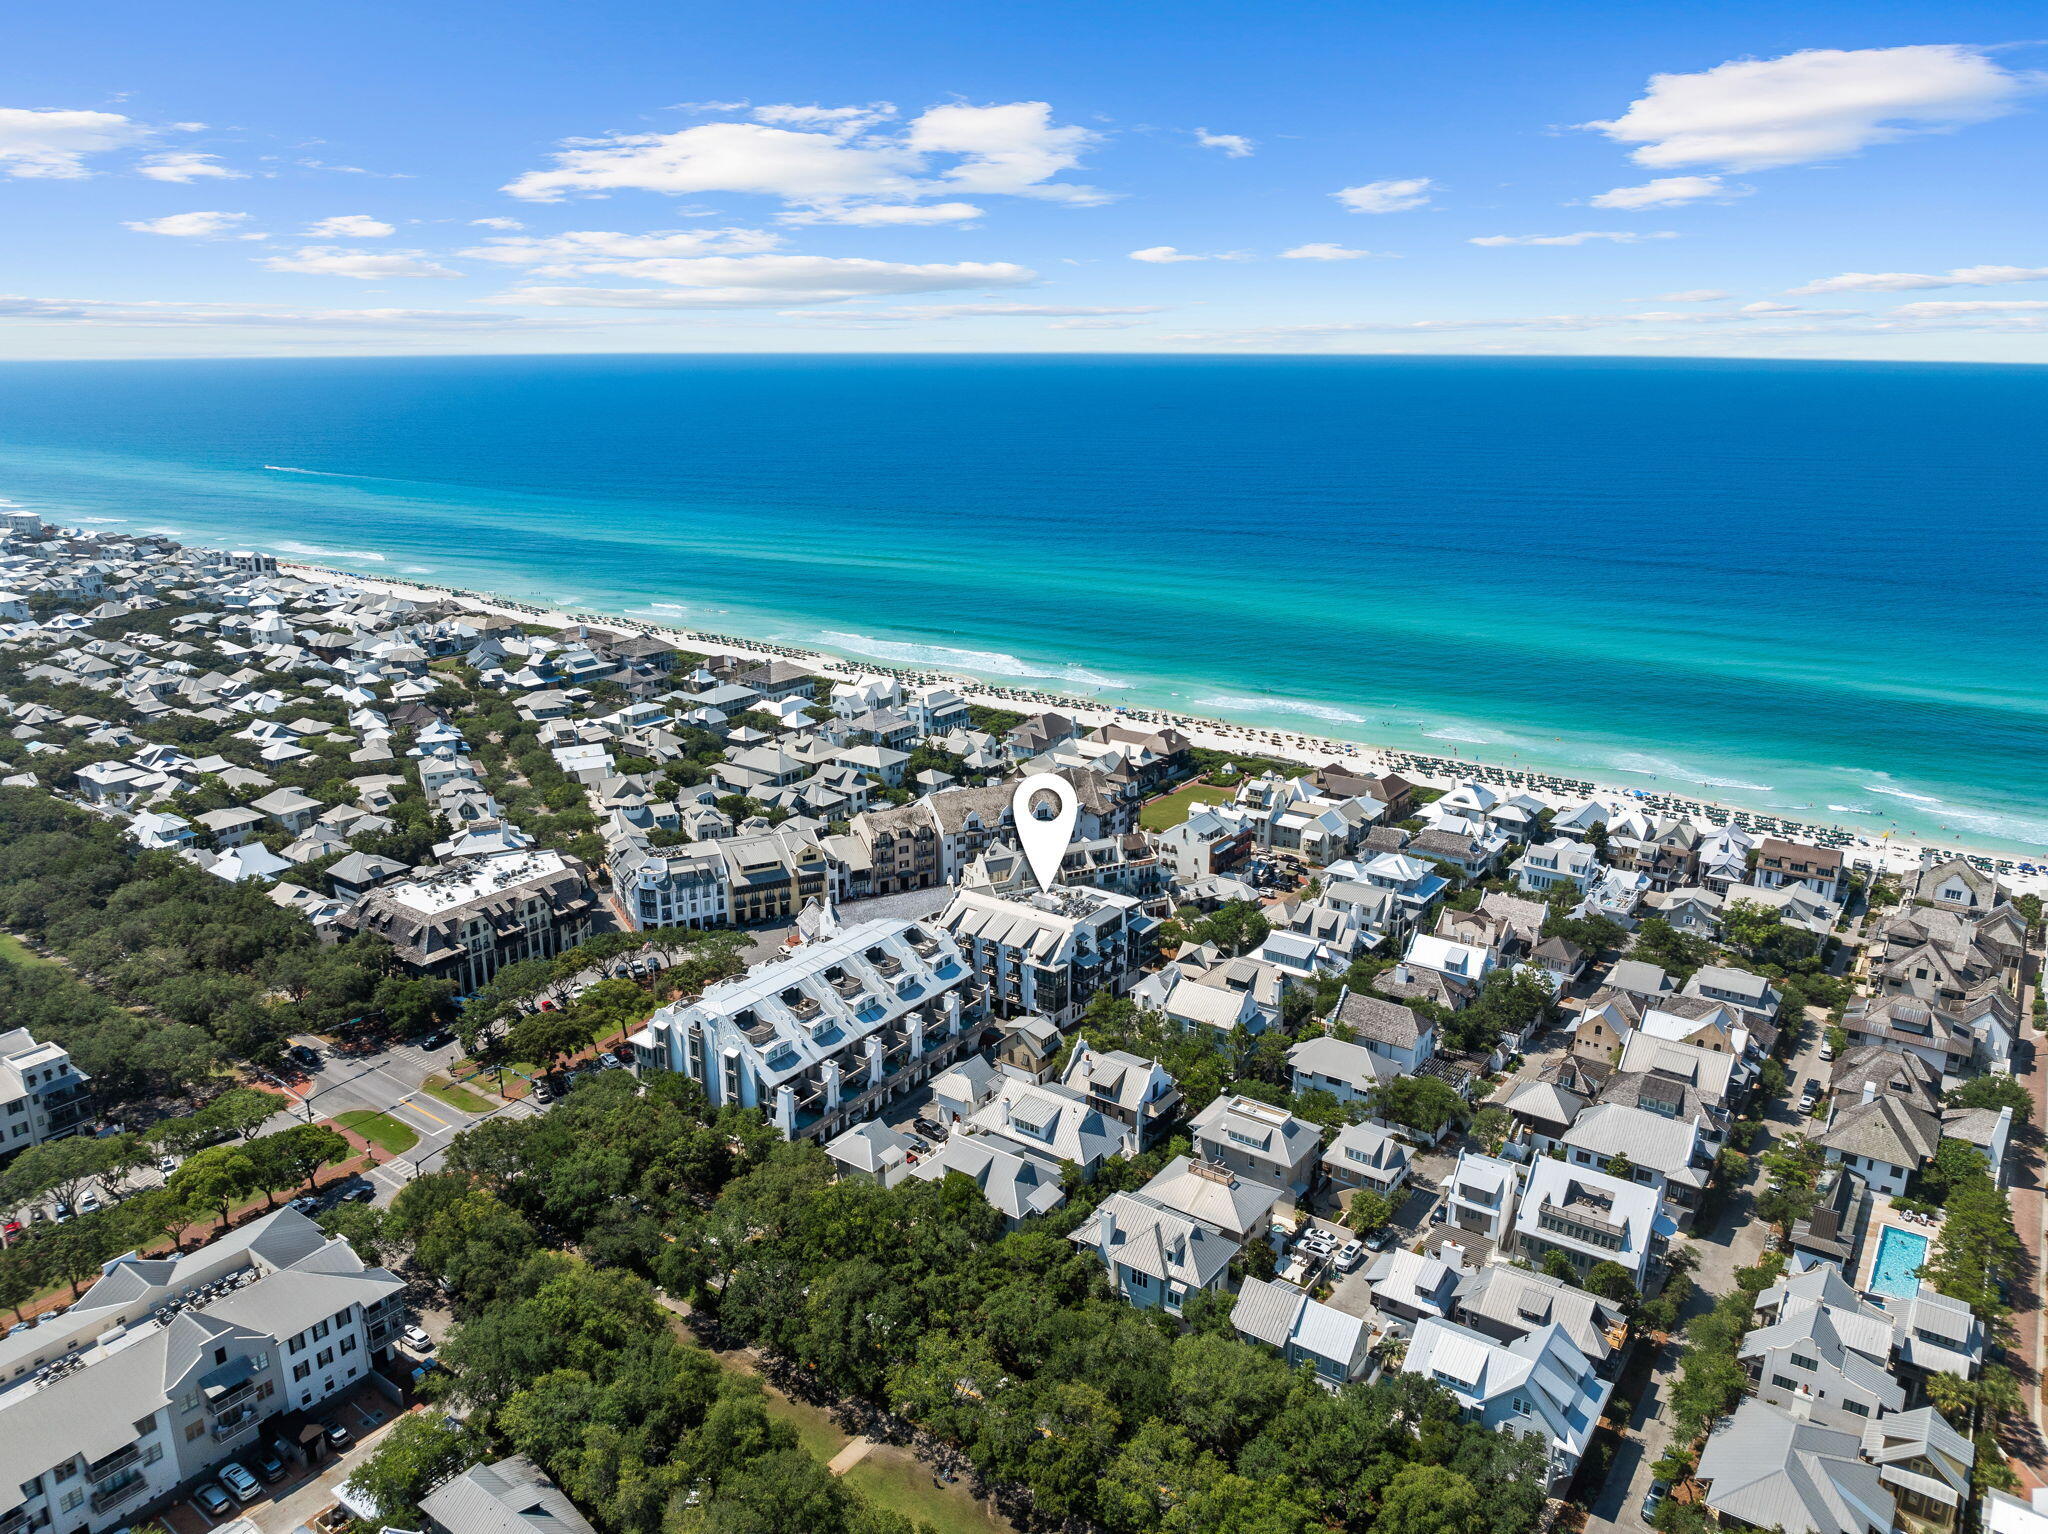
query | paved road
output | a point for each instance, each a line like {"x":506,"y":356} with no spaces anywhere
{"x":389,"y":1082}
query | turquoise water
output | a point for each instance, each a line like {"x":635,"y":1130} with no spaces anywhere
{"x":1899,"y":1256}
{"x":1813,"y":589}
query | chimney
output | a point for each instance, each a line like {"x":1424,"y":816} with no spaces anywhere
{"x":1869,"y":1090}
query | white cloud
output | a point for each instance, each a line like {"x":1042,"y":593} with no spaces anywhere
{"x":351,"y":226}
{"x":185,"y":167}
{"x":872,"y":214}
{"x":831,"y":119}
{"x":191,"y":226}
{"x":735,"y":282}
{"x":1666,"y":192}
{"x":1943,"y":308}
{"x":1904,"y":282}
{"x":1688,"y":296}
{"x":831,"y":161}
{"x":54,"y":144}
{"x":1166,"y":255}
{"x":1386,"y":196}
{"x":975,"y":311}
{"x":1323,"y":250}
{"x":1235,"y":145}
{"x":496,"y":223}
{"x":336,"y":261}
{"x":600,"y":249}
{"x":1750,"y":114}
{"x":1617,"y":236}
{"x":93,"y":311}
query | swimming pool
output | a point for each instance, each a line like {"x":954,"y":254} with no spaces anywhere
{"x":1899,"y":1255}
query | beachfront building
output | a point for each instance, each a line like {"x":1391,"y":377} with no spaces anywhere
{"x":821,"y":1037}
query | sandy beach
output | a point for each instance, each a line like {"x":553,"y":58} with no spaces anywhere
{"x":1892,"y":854}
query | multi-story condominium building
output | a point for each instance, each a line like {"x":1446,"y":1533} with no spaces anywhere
{"x":670,"y":886}
{"x":1050,"y":952}
{"x":774,"y":876}
{"x":166,"y":1367}
{"x":820,"y":1038}
{"x":43,"y":1096}
{"x":1589,"y":1216}
{"x":466,"y":920}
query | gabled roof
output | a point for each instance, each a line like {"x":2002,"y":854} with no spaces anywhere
{"x":1771,"y":1470}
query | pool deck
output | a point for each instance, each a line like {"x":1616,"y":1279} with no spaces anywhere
{"x":1882,"y":1215}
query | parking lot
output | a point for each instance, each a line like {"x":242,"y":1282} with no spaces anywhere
{"x":307,"y":1486}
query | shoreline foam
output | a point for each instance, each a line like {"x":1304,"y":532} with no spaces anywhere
{"x":1895,"y":853}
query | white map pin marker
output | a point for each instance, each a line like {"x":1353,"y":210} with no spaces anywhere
{"x":1045,"y":837}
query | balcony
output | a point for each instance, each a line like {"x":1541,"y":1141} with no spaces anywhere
{"x":109,"y":1496}
{"x":114,"y":1463}
{"x":234,"y":1423}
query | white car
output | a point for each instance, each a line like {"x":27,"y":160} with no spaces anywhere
{"x":418,"y":1340}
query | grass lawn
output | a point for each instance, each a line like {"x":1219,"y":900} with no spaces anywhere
{"x":15,"y":951}
{"x":815,"y":1429}
{"x":895,"y":1479}
{"x":1165,"y":813}
{"x":442,"y":1090}
{"x":380,"y":1129}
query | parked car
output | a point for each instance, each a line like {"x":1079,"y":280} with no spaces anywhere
{"x":440,"y":1038}
{"x":212,"y":1501}
{"x":544,"y":1089}
{"x":1654,"y":1498}
{"x":357,"y":1193}
{"x":269,"y":1464}
{"x":60,"y":1211}
{"x":1349,"y":1256}
{"x":1809,"y":1095}
{"x":1827,"y":1052}
{"x":337,"y":1436}
{"x":306,"y":1203}
{"x":10,"y":1226}
{"x":241,"y":1485}
{"x":90,"y":1203}
{"x":417,"y":1339}
{"x":167,"y":1164}
{"x":1377,"y":1241}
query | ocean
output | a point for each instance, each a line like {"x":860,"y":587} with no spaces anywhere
{"x":1815,"y":589}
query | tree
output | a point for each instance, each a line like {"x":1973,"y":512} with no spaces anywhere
{"x":1978,"y":1256}
{"x":1428,"y":1499}
{"x":1370,"y":1210}
{"x":1421,"y":1103}
{"x":421,"y":1451}
{"x":1235,"y":927}
{"x":241,"y":1112}
{"x":1618,"y":1165}
{"x":1557,"y":1265}
{"x":305,"y":1148}
{"x":17,"y":1280}
{"x":56,"y":1167}
{"x":1611,"y":1281}
{"x":1994,"y":1092}
{"x":549,"y":1038}
{"x":216,"y":1179}
{"x":1491,"y":1127}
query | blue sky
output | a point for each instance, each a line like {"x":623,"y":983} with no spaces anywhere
{"x":1858,"y":181}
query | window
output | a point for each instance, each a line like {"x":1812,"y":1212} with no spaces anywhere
{"x":145,"y":1425}
{"x":300,"y":1371}
{"x":220,"y":1355}
{"x":326,"y":1357}
{"x":1520,"y":1405}
{"x":320,"y":1329}
{"x":66,"y":1471}
{"x":1805,"y":1363}
{"x":348,"y":1344}
{"x":195,"y":1430}
{"x":1857,"y":1407}
{"x":1783,"y":1383}
{"x":152,"y":1454}
{"x":299,"y":1343}
{"x":72,"y":1498}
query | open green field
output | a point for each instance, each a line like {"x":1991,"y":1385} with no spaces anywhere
{"x":1168,"y":811}
{"x":15,"y":951}
{"x":380,"y":1129}
{"x":895,"y":1479}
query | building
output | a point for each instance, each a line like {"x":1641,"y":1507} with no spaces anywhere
{"x":819,"y":1038}
{"x":513,"y":1496}
{"x":1366,"y":1156}
{"x":1397,"y":1034}
{"x":773,"y":876}
{"x":1480,"y":1195}
{"x":1782,"y":863}
{"x":1174,"y":1237}
{"x":1348,"y":1072}
{"x":1506,"y":1302}
{"x":464,"y":921}
{"x":1264,"y":1143}
{"x":43,"y":1096}
{"x":670,"y":886}
{"x":1589,"y":1217}
{"x":1539,"y":1385}
{"x":1048,"y":953}
{"x":165,"y":1367}
{"x":1337,"y":1346}
{"x":1137,"y":1093}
